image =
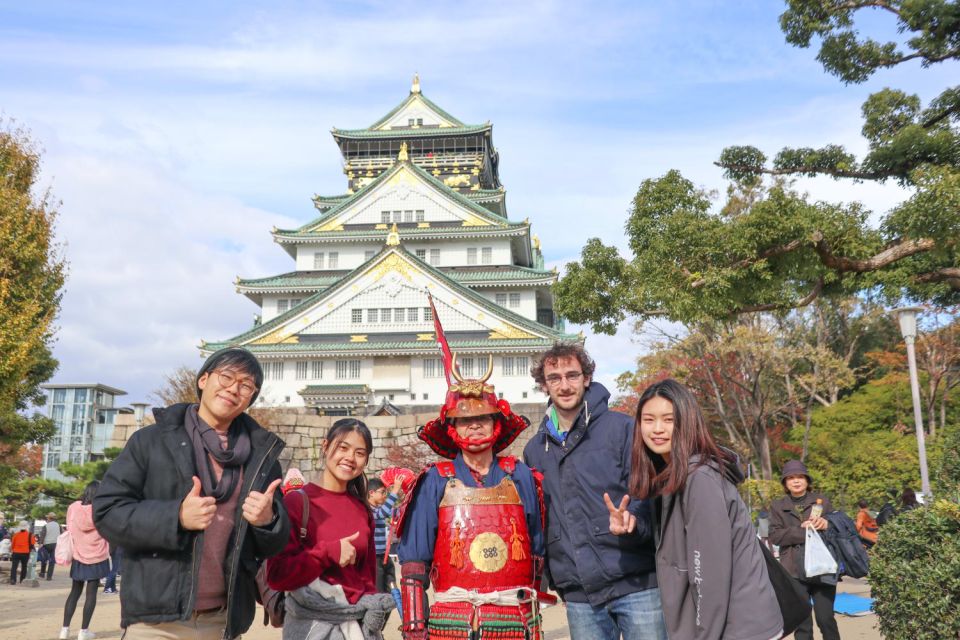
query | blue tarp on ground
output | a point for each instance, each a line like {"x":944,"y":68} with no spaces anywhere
{"x":851,"y":605}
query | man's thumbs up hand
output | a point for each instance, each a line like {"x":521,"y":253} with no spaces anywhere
{"x":197,"y":511}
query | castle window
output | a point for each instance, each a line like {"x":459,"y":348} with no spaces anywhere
{"x":316,"y":369}
{"x":501,"y":299}
{"x":356,"y":316}
{"x":427,"y":314}
{"x":282,"y":305}
{"x":419,"y":214}
{"x":466,"y":367}
{"x":398,"y":315}
{"x":408,"y":215}
{"x":507,"y":365}
{"x":422,"y":254}
{"x":318,"y":260}
{"x":398,"y":216}
{"x":368,"y":254}
{"x":371,"y":315}
{"x":274,"y":371}
{"x":432,"y":368}
{"x":385,"y":315}
{"x":332,"y":259}
{"x":434,"y":256}
{"x":514,"y":300}
{"x":302,"y":366}
{"x":348,"y":369}
{"x":471,"y":255}
{"x":384,"y":217}
{"x":487,"y":255}
{"x":412,"y":314}
{"x":295,"y":301}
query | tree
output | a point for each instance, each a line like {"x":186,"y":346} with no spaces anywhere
{"x":180,"y":385}
{"x":770,"y":248}
{"x":32,"y":274}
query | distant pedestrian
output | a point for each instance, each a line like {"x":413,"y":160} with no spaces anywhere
{"x":21,"y":543}
{"x":91,"y":562}
{"x":866,"y":525}
{"x":382,"y":502}
{"x":789,"y":518}
{"x":887,"y":511}
{"x":116,"y":558}
{"x":908,"y":500}
{"x":48,"y":538}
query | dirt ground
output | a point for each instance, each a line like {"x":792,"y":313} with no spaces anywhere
{"x":35,"y":613}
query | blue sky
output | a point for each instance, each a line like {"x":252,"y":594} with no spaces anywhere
{"x":177,"y":134}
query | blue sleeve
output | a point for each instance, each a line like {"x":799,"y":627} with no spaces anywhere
{"x":384,"y":511}
{"x":527,"y":489}
{"x":419,"y":533}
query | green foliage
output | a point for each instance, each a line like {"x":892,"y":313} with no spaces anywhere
{"x":760,"y":493}
{"x":946,"y":480}
{"x":63,"y":493}
{"x":31,"y":279}
{"x":865,"y":443}
{"x":915,"y":574}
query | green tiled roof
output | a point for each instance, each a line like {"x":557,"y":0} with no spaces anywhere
{"x":317,"y":389}
{"x":410,"y":98}
{"x":465,"y":292}
{"x":420,"y":132}
{"x":414,"y":346}
{"x":511,"y":229}
{"x":315,"y":280}
{"x":438,"y":184}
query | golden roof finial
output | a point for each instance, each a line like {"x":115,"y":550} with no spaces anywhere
{"x":416,"y":84}
{"x":403,"y":156}
{"x":536,"y":242}
{"x":393,"y":238}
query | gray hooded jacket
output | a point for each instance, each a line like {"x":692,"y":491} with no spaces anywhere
{"x":712,"y":575}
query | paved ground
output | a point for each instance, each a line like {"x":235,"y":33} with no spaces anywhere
{"x":28,"y":613}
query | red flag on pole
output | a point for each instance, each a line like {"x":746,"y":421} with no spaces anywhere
{"x":441,"y":341}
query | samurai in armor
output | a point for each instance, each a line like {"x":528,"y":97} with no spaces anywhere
{"x":472,"y":526}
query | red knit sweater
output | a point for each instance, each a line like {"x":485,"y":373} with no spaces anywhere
{"x":332,"y":516}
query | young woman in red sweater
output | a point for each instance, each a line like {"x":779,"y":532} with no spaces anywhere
{"x":338,"y":548}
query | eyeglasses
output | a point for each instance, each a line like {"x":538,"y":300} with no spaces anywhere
{"x":227,"y":380}
{"x":555,"y":379}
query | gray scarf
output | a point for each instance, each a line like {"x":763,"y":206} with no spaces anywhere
{"x":206,"y":443}
{"x":310,"y":616}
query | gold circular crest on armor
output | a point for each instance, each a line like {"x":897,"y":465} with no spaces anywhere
{"x":488,"y":552}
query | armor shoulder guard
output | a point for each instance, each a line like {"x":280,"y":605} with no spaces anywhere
{"x":508,"y":464}
{"x":404,"y":506}
{"x":538,"y":482}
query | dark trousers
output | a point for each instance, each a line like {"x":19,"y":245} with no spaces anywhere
{"x":22,"y":559}
{"x":823,"y":596}
{"x":48,"y":560}
{"x":111,"y":584}
{"x":386,"y":575}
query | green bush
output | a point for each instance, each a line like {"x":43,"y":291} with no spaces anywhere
{"x":915,"y":574}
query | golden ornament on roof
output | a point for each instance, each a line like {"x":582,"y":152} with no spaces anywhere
{"x":393,"y":238}
{"x":415,"y":87}
{"x":403,"y":156}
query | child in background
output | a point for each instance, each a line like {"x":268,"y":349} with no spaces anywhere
{"x":381,"y":504}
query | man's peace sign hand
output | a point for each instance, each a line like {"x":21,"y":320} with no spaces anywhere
{"x":621,"y":520}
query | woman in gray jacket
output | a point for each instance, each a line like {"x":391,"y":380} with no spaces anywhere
{"x":711,"y":572}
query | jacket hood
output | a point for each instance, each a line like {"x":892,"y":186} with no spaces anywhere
{"x":731,"y":469}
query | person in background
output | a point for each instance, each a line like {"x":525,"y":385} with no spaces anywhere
{"x":789,"y":518}
{"x":21,"y":542}
{"x":116,"y":557}
{"x":48,"y":538}
{"x":908,"y":500}
{"x":866,"y":525}
{"x":330,"y":575}
{"x":5,"y":547}
{"x":711,"y":571}
{"x":381,"y":504}
{"x":91,"y":562}
{"x":3,"y":527}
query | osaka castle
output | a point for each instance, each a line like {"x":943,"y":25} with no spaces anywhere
{"x":350,"y":330}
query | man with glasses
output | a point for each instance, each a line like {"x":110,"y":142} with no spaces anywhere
{"x":472,"y":525}
{"x":193,"y":502}
{"x":608,"y":582}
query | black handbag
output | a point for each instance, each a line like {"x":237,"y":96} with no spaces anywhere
{"x":791,"y":595}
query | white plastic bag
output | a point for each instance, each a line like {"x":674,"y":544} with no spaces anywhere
{"x":817,"y":560}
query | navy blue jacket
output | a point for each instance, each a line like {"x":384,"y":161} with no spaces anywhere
{"x":585,"y":562}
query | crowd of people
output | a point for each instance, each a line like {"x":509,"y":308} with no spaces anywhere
{"x":635,"y":522}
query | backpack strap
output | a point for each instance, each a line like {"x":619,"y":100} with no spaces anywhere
{"x":305,"y":517}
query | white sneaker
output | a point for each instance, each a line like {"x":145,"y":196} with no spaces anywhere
{"x":65,"y":633}
{"x":86,"y":634}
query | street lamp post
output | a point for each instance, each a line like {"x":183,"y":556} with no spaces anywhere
{"x":908,"y":327}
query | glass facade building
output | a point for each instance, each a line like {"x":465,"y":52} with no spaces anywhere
{"x":83,"y":415}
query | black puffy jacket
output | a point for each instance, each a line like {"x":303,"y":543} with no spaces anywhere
{"x":582,"y":554}
{"x":137,"y":507}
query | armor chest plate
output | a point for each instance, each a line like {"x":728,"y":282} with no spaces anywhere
{"x":482,"y":539}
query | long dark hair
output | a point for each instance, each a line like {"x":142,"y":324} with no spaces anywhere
{"x":89,"y":492}
{"x":650,"y":474}
{"x":358,"y":486}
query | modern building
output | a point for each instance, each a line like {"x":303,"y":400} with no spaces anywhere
{"x":84,"y":415}
{"x":350,"y":329}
